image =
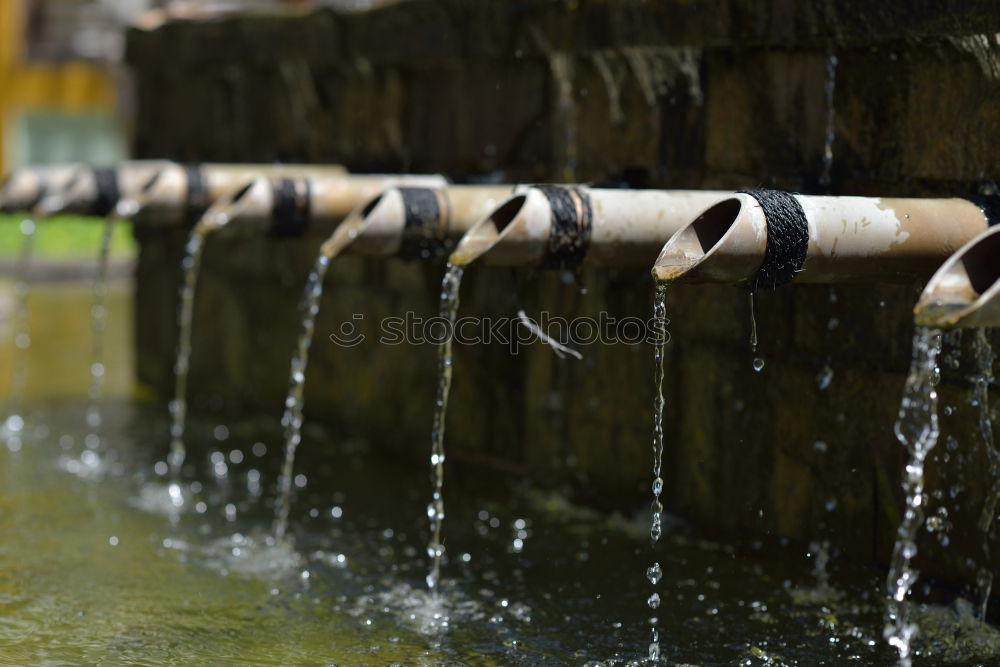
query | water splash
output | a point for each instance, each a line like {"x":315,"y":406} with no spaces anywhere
{"x":185,"y":312}
{"x":292,"y":418}
{"x":981,"y":398}
{"x":435,"y":510}
{"x":758,"y":362}
{"x":13,"y":426}
{"x":654,"y":573}
{"x":828,"y":137}
{"x":917,"y":429}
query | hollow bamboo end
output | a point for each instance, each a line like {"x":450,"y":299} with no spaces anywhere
{"x":484,"y":235}
{"x":724,"y":243}
{"x":965,"y":291}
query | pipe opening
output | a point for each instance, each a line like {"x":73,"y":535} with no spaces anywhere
{"x":981,"y":265}
{"x":242,"y":192}
{"x":371,"y":205}
{"x":151,"y":181}
{"x":506,"y":213}
{"x":712,"y":225}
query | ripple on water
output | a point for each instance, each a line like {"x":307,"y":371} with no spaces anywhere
{"x":419,"y":610}
{"x":244,"y":555}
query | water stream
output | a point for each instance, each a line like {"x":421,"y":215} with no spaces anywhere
{"x":655,"y":572}
{"x":981,"y":381}
{"x":435,"y":509}
{"x":178,"y":406}
{"x":916,"y":429}
{"x":98,"y":322}
{"x":14,"y":423}
{"x":292,"y":418}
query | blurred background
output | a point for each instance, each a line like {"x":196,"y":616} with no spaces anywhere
{"x":64,"y":93}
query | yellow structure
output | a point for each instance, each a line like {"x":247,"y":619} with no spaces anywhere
{"x":26,"y":86}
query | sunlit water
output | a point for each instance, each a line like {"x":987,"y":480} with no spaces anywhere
{"x":92,"y":571}
{"x":292,"y":418}
{"x":185,"y":315}
{"x":98,"y":323}
{"x":916,"y":429}
{"x":450,"y":286}
{"x":655,"y":572}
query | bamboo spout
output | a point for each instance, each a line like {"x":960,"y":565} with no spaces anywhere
{"x":94,"y":190}
{"x":415,"y":222}
{"x":820,"y":239}
{"x":568,"y":225}
{"x":965,"y":291}
{"x":328,"y":194}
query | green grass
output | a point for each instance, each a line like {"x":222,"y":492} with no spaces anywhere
{"x":65,"y":237}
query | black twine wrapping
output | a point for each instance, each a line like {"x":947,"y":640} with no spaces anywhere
{"x":424,"y":228}
{"x":106,"y":181}
{"x":572,"y":223}
{"x":197,"y":193}
{"x":787,"y":238}
{"x":290,"y":213}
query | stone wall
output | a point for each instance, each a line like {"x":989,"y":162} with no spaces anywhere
{"x":720,"y":94}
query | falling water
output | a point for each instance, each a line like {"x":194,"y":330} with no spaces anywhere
{"x":758,"y":362}
{"x":981,"y":395}
{"x":185,"y":312}
{"x":292,"y":419}
{"x":435,"y":510}
{"x":98,"y":318}
{"x":831,"y":81}
{"x":654,"y":573}
{"x":917,"y":429}
{"x":14,"y":424}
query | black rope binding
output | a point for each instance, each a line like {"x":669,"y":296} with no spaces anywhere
{"x":572,"y":223}
{"x":424,"y":230}
{"x":197,"y":194}
{"x":292,"y":201}
{"x":108,"y":193}
{"x":787,"y":238}
{"x":989,"y":205}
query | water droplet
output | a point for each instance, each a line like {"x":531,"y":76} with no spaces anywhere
{"x":653,"y":601}
{"x":824,"y":378}
{"x":654,"y":573}
{"x":758,"y":364}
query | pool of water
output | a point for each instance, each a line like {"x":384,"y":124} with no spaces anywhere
{"x":97,"y":566}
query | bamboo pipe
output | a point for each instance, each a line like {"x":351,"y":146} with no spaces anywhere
{"x":568,"y":225}
{"x":23,"y":189}
{"x":965,"y":291}
{"x":414,"y":222}
{"x":183,"y":193}
{"x":101,"y":188}
{"x":284,"y":206}
{"x":844,"y":239}
{"x":96,"y":191}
